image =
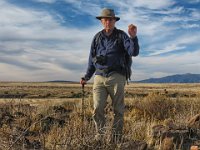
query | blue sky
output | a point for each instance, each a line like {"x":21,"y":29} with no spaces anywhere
{"x":43,"y":40}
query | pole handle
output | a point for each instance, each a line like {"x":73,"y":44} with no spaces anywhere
{"x":83,"y":85}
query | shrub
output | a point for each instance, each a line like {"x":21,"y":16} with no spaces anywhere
{"x":156,"y":106}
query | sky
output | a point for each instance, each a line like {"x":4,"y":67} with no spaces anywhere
{"x":45,"y":40}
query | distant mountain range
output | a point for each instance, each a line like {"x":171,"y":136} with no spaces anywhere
{"x":70,"y":82}
{"x":178,"y":78}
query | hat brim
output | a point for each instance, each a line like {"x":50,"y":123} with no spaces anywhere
{"x":100,"y":17}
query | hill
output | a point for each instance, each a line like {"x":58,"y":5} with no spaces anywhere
{"x":178,"y":78}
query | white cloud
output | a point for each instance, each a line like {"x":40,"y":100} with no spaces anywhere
{"x":90,"y":8}
{"x":194,"y":1}
{"x":170,"y":48}
{"x":156,"y":66}
{"x":153,"y":5}
{"x":186,"y":26}
{"x":33,"y":41}
{"x":195,"y":14}
{"x":46,"y":1}
{"x":36,"y":47}
{"x":18,"y":23}
{"x":171,"y":11}
{"x":142,"y":3}
{"x":176,"y":44}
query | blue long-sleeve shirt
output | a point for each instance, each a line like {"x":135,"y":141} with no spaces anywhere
{"x":114,"y":53}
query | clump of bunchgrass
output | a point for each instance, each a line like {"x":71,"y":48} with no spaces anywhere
{"x":154,"y":106}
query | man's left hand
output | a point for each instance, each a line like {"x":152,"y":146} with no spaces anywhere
{"x":132,"y":30}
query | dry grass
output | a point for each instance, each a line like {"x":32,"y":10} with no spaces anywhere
{"x":49,"y":115}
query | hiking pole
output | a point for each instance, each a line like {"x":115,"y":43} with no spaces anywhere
{"x":83,"y":103}
{"x":83,"y":112}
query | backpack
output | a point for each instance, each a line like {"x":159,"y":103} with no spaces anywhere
{"x":127,"y":58}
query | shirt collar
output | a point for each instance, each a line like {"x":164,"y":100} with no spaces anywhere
{"x":110,"y":36}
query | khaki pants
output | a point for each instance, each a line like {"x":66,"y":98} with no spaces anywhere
{"x":113,"y":86}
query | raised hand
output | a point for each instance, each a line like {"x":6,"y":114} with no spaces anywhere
{"x":132,"y":30}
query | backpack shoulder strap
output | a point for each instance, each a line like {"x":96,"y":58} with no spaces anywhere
{"x":119,"y":33}
{"x":97,"y":40}
{"x":118,"y":36}
{"x":127,"y":58}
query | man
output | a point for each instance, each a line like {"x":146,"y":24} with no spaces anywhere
{"x":107,"y":61}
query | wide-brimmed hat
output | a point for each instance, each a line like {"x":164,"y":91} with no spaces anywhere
{"x":107,"y":13}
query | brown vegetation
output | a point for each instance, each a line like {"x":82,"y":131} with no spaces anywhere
{"x":49,"y":116}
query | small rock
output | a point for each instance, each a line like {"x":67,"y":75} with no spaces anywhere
{"x":194,"y":148}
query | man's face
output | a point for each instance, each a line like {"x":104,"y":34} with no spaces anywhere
{"x":108,"y":23}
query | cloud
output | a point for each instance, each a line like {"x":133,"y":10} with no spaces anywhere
{"x":194,"y":1}
{"x":46,"y":1}
{"x":168,"y":49}
{"x":177,"y":44}
{"x":156,"y":66}
{"x":38,"y":44}
{"x":187,"y":26}
{"x":86,"y":7}
{"x":162,"y":29}
{"x":142,"y":3}
{"x":34,"y":41}
{"x":152,"y":5}
{"x":195,"y":14}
